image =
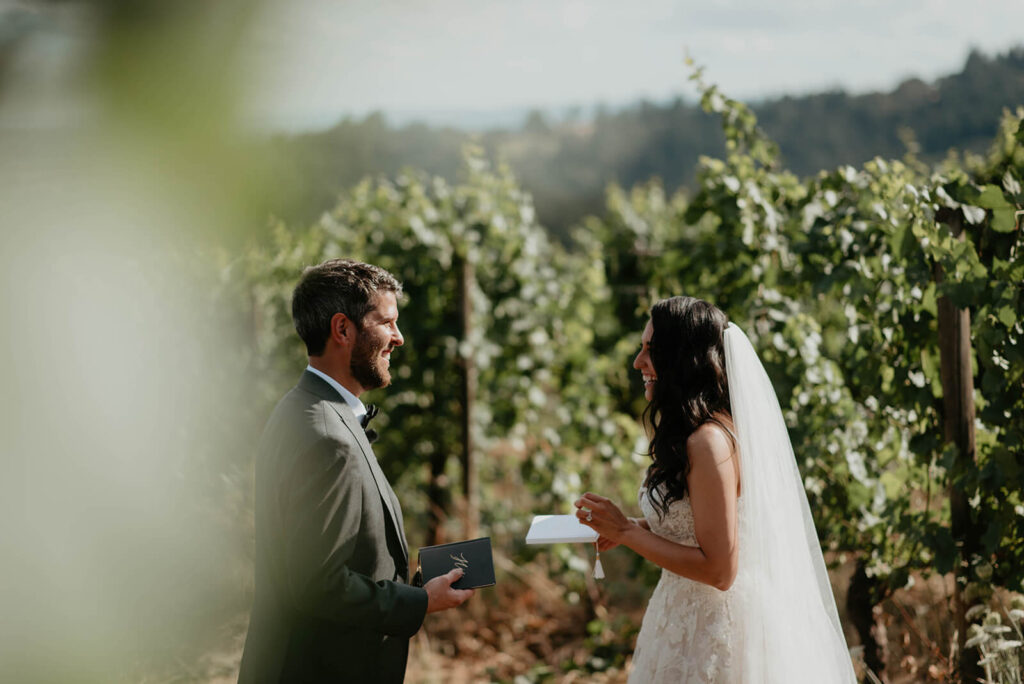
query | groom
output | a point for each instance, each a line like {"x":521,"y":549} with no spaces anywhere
{"x":332,"y":600}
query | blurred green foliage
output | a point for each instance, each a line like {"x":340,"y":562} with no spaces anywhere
{"x":124,"y":419}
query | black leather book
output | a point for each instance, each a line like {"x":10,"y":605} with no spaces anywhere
{"x":473,"y":556}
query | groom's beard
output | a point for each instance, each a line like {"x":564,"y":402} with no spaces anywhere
{"x":367,"y":365}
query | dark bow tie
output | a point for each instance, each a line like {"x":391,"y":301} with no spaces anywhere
{"x":371,"y":411}
{"x":371,"y":434}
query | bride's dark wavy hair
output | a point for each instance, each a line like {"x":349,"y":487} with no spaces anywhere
{"x":688,"y":354}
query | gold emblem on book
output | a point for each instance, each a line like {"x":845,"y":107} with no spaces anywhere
{"x":460,"y":560}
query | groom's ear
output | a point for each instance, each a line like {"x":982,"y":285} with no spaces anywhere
{"x":342,"y":330}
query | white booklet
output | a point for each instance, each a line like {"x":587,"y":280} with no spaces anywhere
{"x":555,"y":529}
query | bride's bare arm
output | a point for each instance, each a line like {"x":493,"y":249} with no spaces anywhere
{"x":712,"y":485}
{"x":604,"y":543}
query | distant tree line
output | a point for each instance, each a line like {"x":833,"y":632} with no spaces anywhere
{"x":567,"y":164}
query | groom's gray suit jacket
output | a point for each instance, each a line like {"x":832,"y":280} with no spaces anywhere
{"x":332,"y":601}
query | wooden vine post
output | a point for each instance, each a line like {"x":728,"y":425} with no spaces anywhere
{"x":958,"y":427}
{"x":470,"y":487}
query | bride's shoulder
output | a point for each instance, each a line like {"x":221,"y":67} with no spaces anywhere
{"x":710,"y":440}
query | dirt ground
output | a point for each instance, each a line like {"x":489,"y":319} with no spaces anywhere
{"x":530,"y":629}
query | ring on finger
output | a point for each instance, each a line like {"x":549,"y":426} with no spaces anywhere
{"x":590,"y":516}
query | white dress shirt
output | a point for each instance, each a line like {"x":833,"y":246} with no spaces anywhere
{"x":350,"y":399}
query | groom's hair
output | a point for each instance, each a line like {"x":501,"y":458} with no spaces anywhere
{"x":336,"y":286}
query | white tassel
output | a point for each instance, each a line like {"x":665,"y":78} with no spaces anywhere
{"x":598,"y":570}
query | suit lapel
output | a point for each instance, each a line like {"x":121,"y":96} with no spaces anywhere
{"x":317,"y":386}
{"x":387,"y":495}
{"x":314,"y":384}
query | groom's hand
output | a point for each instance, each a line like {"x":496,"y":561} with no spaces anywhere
{"x":441,"y":596}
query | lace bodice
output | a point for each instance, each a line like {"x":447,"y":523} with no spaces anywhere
{"x":677,"y":525}
{"x":688,"y":630}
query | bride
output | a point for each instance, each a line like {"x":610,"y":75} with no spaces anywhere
{"x":744,"y":595}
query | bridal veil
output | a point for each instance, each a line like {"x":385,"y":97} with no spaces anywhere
{"x":790,"y":627}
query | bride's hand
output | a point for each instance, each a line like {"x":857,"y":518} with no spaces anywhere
{"x":603,"y":516}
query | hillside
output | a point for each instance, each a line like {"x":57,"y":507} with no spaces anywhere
{"x":567,"y":164}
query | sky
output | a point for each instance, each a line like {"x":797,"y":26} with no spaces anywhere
{"x":305,"y":64}
{"x":313,"y":61}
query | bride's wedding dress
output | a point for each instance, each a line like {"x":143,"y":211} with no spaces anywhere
{"x":777,"y":623}
{"x":688,"y":630}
